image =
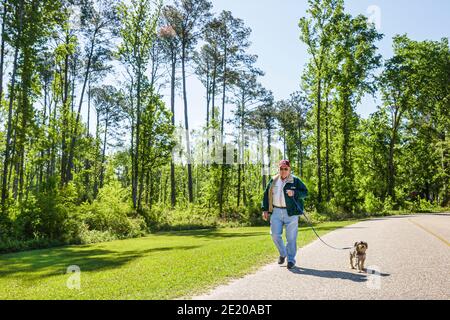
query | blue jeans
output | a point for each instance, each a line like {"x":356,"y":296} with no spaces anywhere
{"x":278,"y":219}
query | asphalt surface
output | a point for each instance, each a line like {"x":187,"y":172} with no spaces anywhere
{"x":408,"y":257}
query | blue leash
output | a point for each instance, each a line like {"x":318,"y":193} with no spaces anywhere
{"x":312,"y":227}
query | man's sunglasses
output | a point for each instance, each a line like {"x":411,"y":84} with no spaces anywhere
{"x":284,"y":169}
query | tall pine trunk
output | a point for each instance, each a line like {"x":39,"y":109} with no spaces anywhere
{"x":2,"y":49}
{"x":10,"y":113}
{"x":173,"y":191}
{"x":136,"y":202}
{"x":102,"y":167}
{"x":327,"y":146}
{"x":186,"y":125}
{"x":318,"y":137}
{"x":222,"y":176}
{"x":65,"y":116}
{"x":69,"y":167}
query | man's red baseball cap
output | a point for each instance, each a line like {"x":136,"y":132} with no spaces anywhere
{"x":284,"y":163}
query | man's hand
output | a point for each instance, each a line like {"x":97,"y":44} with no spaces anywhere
{"x":265,"y":215}
{"x":290,"y":193}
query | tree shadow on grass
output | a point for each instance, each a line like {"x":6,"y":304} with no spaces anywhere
{"x":55,"y":262}
{"x":213,"y":234}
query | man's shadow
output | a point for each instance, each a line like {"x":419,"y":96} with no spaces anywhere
{"x":332,"y":274}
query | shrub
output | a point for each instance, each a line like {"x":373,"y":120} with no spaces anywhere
{"x":388,"y":204}
{"x":112,"y":213}
{"x":251,"y":214}
{"x":14,"y":245}
{"x":55,"y":218}
{"x":87,"y":236}
{"x":51,"y":215}
{"x":333,"y":210}
{"x":317,"y":217}
{"x":373,"y":204}
{"x":193,"y":217}
{"x":422,"y":205}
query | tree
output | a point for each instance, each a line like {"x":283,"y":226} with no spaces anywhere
{"x":108,"y":103}
{"x":397,"y":94}
{"x":157,"y":142}
{"x":138,"y":31}
{"x":188,"y":18}
{"x":317,"y":32}
{"x":96,"y":27}
{"x":232,"y":41}
{"x":207,"y":62}
{"x":263,"y":118}
{"x":246,"y":93}
{"x":427,"y":65}
{"x":171,"y":47}
{"x":356,"y":55}
{"x":5,"y":8}
{"x":291,"y":115}
{"x":20,"y":13}
{"x":31,"y":22}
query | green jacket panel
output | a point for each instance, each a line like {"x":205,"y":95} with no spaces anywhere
{"x":293,"y":183}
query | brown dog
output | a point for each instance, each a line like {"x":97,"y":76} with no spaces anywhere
{"x":359,"y":253}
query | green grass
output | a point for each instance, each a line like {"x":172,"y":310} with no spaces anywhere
{"x":160,"y":266}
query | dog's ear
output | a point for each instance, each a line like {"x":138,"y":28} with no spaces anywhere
{"x":356,"y":243}
{"x":367,"y":246}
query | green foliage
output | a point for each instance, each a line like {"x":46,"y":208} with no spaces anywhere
{"x":388,"y":204}
{"x":112,"y":213}
{"x":56,"y":217}
{"x":421,"y":205}
{"x":373,"y":204}
{"x":8,"y":245}
{"x":183,"y":218}
{"x":64,"y":181}
{"x":373,"y":165}
{"x":87,"y":235}
{"x":51,"y":215}
{"x":161,"y":217}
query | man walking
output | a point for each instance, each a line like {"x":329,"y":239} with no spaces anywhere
{"x":279,"y":203}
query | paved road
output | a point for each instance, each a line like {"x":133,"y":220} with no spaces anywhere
{"x":411,"y":255}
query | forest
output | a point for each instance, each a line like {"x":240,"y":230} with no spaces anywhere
{"x":90,"y":151}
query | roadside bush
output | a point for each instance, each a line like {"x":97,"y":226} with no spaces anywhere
{"x":421,"y":205}
{"x":388,"y":204}
{"x":372,"y":204}
{"x":13,"y":245}
{"x":252,"y":214}
{"x":112,"y":214}
{"x":56,"y":218}
{"x":160,"y":218}
{"x":87,"y":236}
{"x":333,"y":211}
{"x":51,"y":216}
{"x":316,"y":217}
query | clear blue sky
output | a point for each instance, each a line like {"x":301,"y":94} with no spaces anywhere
{"x":275,"y":39}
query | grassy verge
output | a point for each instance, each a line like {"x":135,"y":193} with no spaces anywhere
{"x":166,"y":265}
